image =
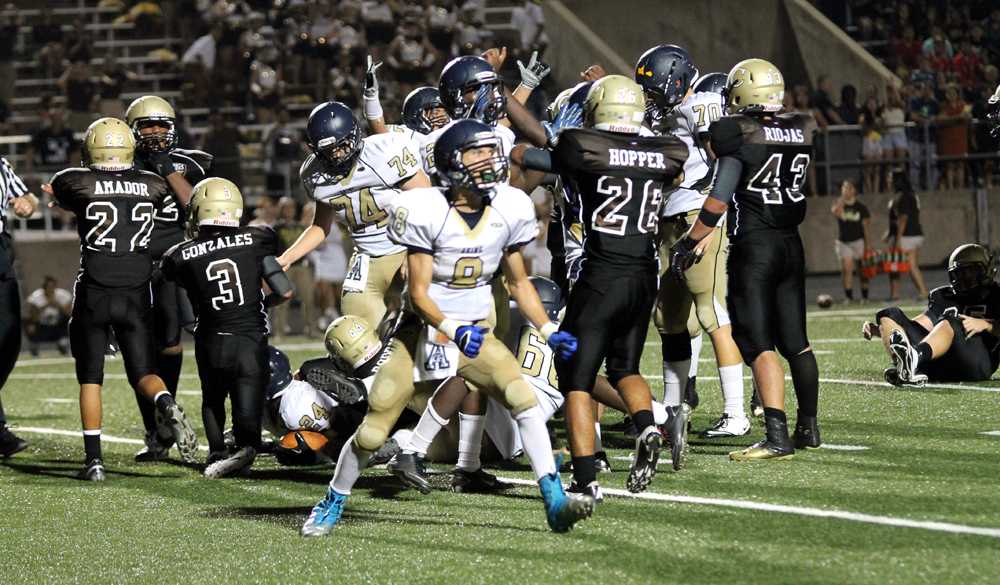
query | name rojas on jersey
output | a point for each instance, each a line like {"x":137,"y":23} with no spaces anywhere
{"x":360,"y":198}
{"x":465,"y":257}
{"x":689,"y":121}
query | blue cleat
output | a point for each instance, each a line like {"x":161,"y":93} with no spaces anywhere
{"x":561,"y":510}
{"x":325,"y":515}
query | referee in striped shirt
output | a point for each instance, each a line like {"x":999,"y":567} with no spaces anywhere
{"x":15,"y":196}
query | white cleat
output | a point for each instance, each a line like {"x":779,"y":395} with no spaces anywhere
{"x":233,"y":465}
{"x":173,"y":418}
{"x":728,"y":426}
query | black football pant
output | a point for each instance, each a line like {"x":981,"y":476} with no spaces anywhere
{"x":967,"y":360}
{"x":610,"y":318}
{"x":766,"y":296}
{"x":10,"y":330}
{"x":98,"y":310}
{"x":233,"y":366}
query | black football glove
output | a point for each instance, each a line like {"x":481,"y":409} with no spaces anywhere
{"x":683,"y":256}
{"x":161,"y":162}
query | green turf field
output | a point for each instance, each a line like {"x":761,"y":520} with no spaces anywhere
{"x":908,"y":491}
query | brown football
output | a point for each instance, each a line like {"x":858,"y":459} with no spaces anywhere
{"x":316,"y":441}
{"x":824,"y":301}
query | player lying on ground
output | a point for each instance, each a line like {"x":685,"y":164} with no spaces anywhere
{"x":954,"y":339}
{"x":457,"y":237}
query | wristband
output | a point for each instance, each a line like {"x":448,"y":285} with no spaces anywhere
{"x":449,"y":327}
{"x":373,"y":108}
{"x":547,"y":330}
{"x":709,"y":218}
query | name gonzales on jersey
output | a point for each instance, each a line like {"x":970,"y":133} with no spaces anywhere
{"x":221,"y":243}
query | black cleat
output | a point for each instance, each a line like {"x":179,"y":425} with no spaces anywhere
{"x":776,"y":444}
{"x":891,"y":376}
{"x":806,"y":435}
{"x":409,"y":468}
{"x":156,"y":449}
{"x":93,"y":470}
{"x":593,"y":489}
{"x":10,"y":443}
{"x":601,"y":463}
{"x":675,"y":430}
{"x":647,"y":454}
{"x":477,"y":481}
{"x":691,"y":393}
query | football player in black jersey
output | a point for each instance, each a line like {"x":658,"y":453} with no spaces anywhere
{"x":152,"y":121}
{"x":114,"y":205}
{"x":762,"y":161}
{"x":955,"y":339}
{"x":222,"y":267}
{"x":619,"y":177}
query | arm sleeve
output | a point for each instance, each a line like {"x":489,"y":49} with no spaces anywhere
{"x":538,"y":159}
{"x":727,"y":177}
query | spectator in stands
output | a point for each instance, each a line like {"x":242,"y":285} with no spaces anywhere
{"x":53,"y":147}
{"x":848,"y":110}
{"x":205,"y":48}
{"x":895,"y":146}
{"x":907,"y":49}
{"x":378,"y":20}
{"x":289,"y":226}
{"x":953,"y":137}
{"x":821,"y":101}
{"x":967,"y":64}
{"x":983,"y":141}
{"x":924,"y":72}
{"x":937,"y":43}
{"x":473,"y":37}
{"x":346,"y":78}
{"x":853,"y":237}
{"x":282,"y":154}
{"x":330,"y":263}
{"x":80,"y":43}
{"x":870,"y":118}
{"x":411,"y":56}
{"x":266,"y":85}
{"x":81,"y":94}
{"x":905,"y":233}
{"x":223,"y":140}
{"x":924,"y":108}
{"x":266,"y":212}
{"x":112,"y":81}
{"x":10,"y":23}
{"x":442,"y":20}
{"x":47,"y":39}
{"x":529,"y":21}
{"x":49,"y":309}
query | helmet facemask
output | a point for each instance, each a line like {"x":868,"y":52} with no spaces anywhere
{"x":339,"y":155}
{"x":481,"y":176}
{"x":488,"y":103}
{"x":155,"y":141}
{"x":966,"y":278}
{"x":433,"y":117}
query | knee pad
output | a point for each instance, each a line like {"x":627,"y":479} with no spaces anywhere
{"x":519,"y":396}
{"x":894,"y":313}
{"x":711,"y":314}
{"x":371,"y":434}
{"x":676,"y":346}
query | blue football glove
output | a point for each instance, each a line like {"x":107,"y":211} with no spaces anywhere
{"x":563,"y":343}
{"x":469,"y":339}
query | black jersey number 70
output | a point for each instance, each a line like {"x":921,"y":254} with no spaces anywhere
{"x":774,"y":177}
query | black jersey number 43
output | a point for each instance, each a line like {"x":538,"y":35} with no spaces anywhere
{"x":775,"y":177}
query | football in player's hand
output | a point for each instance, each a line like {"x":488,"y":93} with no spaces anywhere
{"x":824,"y":301}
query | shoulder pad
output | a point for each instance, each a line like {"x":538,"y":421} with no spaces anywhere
{"x":416,"y":217}
{"x":200,"y":157}
{"x":726,"y":134}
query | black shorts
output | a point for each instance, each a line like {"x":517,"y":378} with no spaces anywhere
{"x":766,"y":296}
{"x":96,"y":311}
{"x":967,"y":360}
{"x":610,"y":318}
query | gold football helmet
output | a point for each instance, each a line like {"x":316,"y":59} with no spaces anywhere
{"x":351,"y":342}
{"x":754,"y":85}
{"x":615,"y":103}
{"x":214,"y":201}
{"x":152,"y":110}
{"x":108,"y":145}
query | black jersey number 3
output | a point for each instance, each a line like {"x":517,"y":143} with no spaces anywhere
{"x":771,"y":177}
{"x":226,"y":275}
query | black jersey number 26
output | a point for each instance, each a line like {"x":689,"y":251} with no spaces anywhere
{"x":612,"y":216}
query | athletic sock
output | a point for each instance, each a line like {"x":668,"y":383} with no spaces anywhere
{"x":849,"y":293}
{"x":925,"y":354}
{"x":732,"y":389}
{"x":675,"y":376}
{"x":92,"y":444}
{"x":775,"y":413}
{"x":535,"y":439}
{"x":598,"y":444}
{"x":805,"y":378}
{"x":696,"y":343}
{"x":643,"y":419}
{"x":169,"y":366}
{"x":584,"y":470}
{"x":423,"y":434}
{"x":659,"y":413}
{"x":146,"y":409}
{"x":348,"y":467}
{"x":470,"y":440}
{"x":163,"y":400}
{"x":864,"y":293}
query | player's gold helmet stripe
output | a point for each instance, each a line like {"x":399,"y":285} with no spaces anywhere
{"x":109,"y":145}
{"x":615,"y":103}
{"x":754,"y":85}
{"x":214,"y":201}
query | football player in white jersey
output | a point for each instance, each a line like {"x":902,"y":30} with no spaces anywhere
{"x":457,"y":236}
{"x":697,"y":303}
{"x":353,"y":179}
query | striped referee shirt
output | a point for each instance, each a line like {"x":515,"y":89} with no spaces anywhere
{"x":11,"y":186}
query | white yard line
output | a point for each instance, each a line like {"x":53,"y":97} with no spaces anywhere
{"x":658,"y":377}
{"x":796,"y":510}
{"x":991,"y":433}
{"x":835,"y":447}
{"x":72,"y":376}
{"x":104,"y":436}
{"x":61,"y":400}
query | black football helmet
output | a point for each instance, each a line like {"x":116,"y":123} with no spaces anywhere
{"x":472,"y":75}
{"x":970,"y":267}
{"x":993,"y":113}
{"x":665,"y":73}
{"x":480,"y":177}
{"x":711,"y":83}
{"x":334,"y":136}
{"x":418,"y":108}
{"x":281,"y":373}
{"x":550,"y":295}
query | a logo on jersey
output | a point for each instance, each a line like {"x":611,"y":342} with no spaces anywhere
{"x":977,"y":311}
{"x":622,"y":157}
{"x":783,"y":134}
{"x":120,"y":188}
{"x":355,"y":272}
{"x":180,"y":168}
{"x":437,"y":359}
